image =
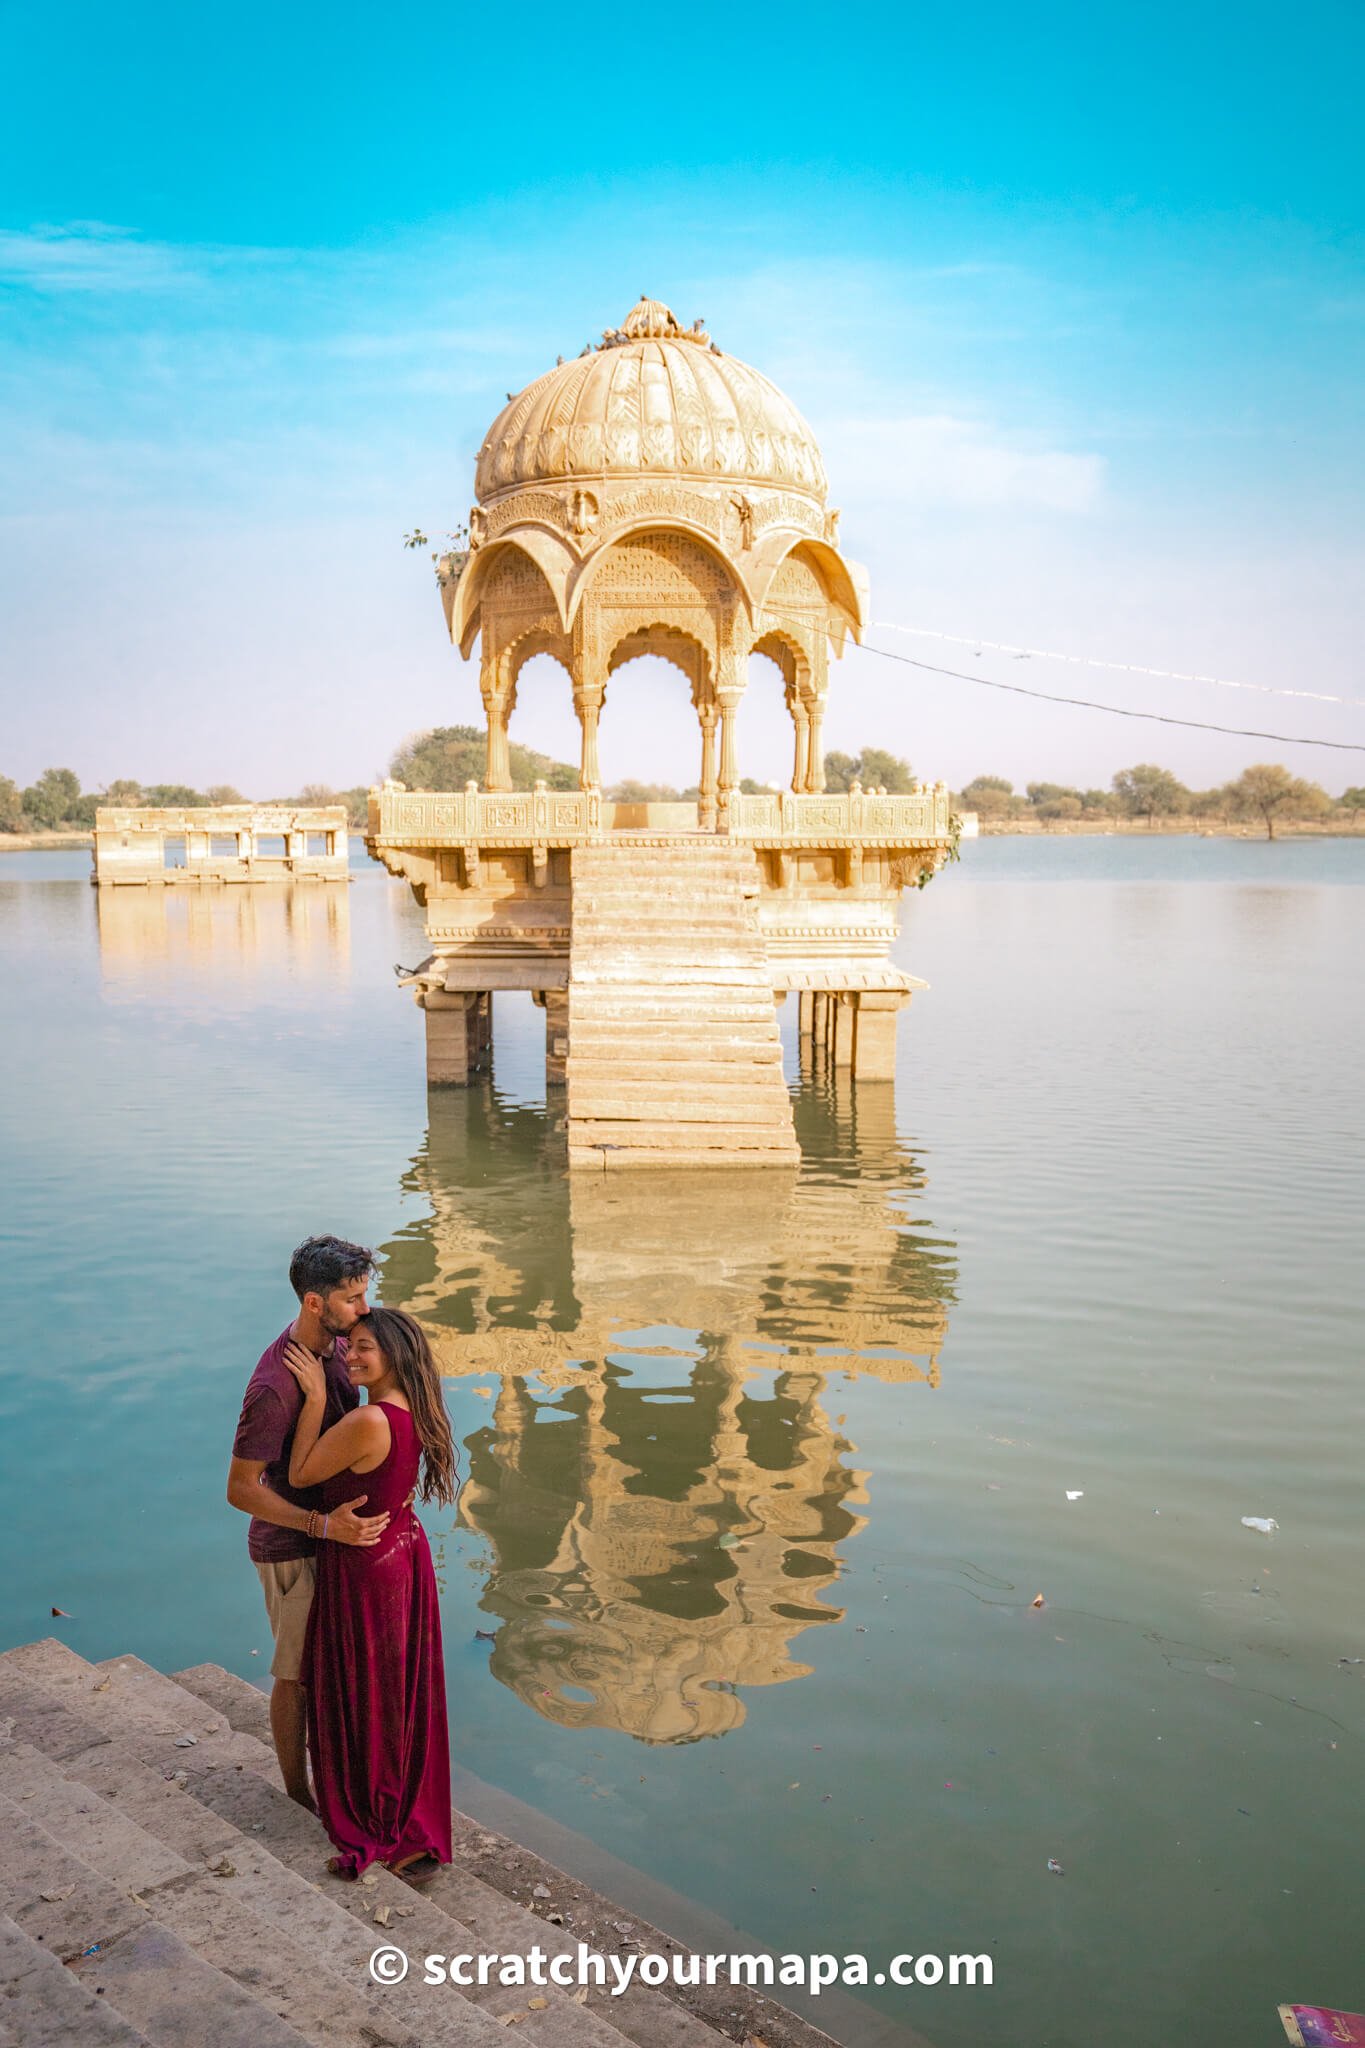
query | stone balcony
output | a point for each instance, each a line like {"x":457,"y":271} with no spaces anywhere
{"x":492,"y":869}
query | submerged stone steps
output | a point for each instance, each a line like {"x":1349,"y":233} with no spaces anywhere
{"x":675,"y":1032}
{"x":674,"y":1053}
{"x":683,"y":1072}
{"x":158,"y":1887}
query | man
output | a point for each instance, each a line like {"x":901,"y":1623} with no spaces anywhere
{"x":330,"y":1278}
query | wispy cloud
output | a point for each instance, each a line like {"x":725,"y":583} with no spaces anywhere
{"x":937,"y":459}
{"x":90,"y":256}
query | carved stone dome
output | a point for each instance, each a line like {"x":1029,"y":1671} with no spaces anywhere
{"x":653,"y":398}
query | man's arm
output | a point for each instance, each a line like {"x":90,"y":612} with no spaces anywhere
{"x":246,"y":1489}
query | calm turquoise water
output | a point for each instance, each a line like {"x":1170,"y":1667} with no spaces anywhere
{"x":765,"y":1478}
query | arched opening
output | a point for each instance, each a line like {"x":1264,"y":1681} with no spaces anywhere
{"x":764,"y":729}
{"x":543,"y":718}
{"x":650,"y":735}
{"x":517,"y":616}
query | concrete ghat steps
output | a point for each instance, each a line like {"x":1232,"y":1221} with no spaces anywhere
{"x":642,"y":2015}
{"x":49,"y":2001}
{"x":674,"y":1053}
{"x":113,"y":1947}
{"x":647,"y":2017}
{"x":281,"y":1937}
{"x":216,"y":1884}
{"x":284,"y":1885}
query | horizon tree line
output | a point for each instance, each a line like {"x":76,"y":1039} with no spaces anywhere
{"x":449,"y":756}
{"x":1267,"y":792}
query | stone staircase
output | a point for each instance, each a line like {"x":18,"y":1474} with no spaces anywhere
{"x":157,"y":1887}
{"x":674,"y":1055}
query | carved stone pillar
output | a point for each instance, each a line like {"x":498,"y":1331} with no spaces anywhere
{"x":587,"y":702}
{"x":706,"y":809}
{"x":498,"y":698}
{"x":728,"y":700}
{"x":815,"y":749}
{"x":801,"y":721}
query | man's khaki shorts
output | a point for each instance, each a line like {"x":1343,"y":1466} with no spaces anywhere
{"x":288,"y":1589}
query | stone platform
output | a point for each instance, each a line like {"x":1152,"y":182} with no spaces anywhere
{"x":157,"y":1887}
{"x":648,"y":941}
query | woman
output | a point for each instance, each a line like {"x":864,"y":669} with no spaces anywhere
{"x":372,"y":1658}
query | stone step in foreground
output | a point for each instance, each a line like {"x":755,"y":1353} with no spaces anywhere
{"x":157,"y":1886}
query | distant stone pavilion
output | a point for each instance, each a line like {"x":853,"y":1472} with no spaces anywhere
{"x":197,"y":843}
{"x":657,"y":496}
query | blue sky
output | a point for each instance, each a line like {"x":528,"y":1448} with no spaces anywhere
{"x":1073,"y":299}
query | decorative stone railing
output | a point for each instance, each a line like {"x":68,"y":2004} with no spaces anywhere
{"x":481,"y":817}
{"x":221,"y":843}
{"x":546,"y":817}
{"x":782,"y":817}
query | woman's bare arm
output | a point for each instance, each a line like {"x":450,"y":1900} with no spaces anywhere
{"x":315,"y":1454}
{"x":360,"y":1438}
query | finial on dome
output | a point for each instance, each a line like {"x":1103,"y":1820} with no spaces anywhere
{"x":651,"y":320}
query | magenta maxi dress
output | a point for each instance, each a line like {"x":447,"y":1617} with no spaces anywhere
{"x":372,"y":1665}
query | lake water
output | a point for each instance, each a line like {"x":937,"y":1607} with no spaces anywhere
{"x":765,"y":1474}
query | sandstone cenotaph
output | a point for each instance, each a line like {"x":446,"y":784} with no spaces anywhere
{"x":655,"y":495}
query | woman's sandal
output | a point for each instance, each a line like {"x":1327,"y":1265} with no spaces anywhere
{"x":420,"y":1871}
{"x":338,"y":1866}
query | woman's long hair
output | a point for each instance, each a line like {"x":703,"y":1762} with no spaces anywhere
{"x":404,"y":1345}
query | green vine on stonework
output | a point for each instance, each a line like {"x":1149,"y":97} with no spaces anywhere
{"x":451,"y":564}
{"x":952,"y":852}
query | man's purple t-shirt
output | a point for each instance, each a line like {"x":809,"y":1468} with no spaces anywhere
{"x":270,"y":1408}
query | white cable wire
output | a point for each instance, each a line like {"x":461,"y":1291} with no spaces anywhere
{"x":1130,"y":668}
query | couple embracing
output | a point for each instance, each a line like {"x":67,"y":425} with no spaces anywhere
{"x":359,"y":1686}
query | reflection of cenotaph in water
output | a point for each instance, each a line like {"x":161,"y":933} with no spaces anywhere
{"x":226,"y":940}
{"x":665,"y":1509}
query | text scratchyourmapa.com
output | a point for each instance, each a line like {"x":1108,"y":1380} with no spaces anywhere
{"x":574,"y":1969}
